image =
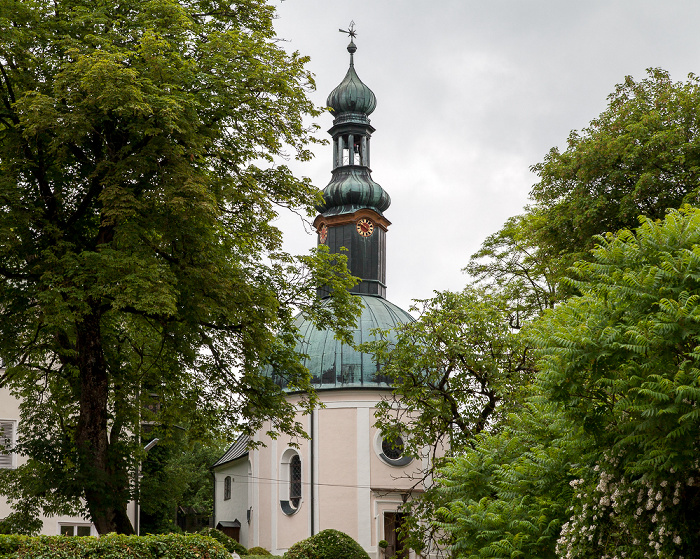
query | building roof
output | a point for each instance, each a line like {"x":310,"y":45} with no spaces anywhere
{"x":237,"y":450}
{"x":333,"y":364}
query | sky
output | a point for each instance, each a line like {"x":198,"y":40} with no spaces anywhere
{"x":470,"y":94}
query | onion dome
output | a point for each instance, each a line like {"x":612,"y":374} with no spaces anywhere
{"x":351,"y":96}
{"x":351,"y":189}
{"x":333,"y":364}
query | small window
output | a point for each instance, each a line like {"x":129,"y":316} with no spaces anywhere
{"x":75,"y":530}
{"x":227,"y":488}
{"x":7,"y":431}
{"x":295,"y":481}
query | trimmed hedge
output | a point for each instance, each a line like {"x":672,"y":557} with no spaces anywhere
{"x":113,"y":546}
{"x":257,"y":550}
{"x":230,"y":544}
{"x":327,"y":544}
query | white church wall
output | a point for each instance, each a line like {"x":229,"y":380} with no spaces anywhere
{"x":236,"y":506}
{"x":353,"y":486}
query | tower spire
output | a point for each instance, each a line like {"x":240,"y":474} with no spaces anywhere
{"x":351,"y":216}
{"x":352,"y":34}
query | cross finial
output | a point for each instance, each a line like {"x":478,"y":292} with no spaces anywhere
{"x":350,"y":30}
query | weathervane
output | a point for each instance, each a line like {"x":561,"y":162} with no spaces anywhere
{"x":350,"y":31}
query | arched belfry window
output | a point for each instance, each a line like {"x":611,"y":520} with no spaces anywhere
{"x":227,"y":488}
{"x":290,"y":489}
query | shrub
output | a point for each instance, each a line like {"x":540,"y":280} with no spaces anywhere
{"x":257,"y":550}
{"x":11,"y":543}
{"x":327,"y":544}
{"x":230,"y":544}
{"x":113,"y":546}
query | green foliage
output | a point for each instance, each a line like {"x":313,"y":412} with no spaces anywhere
{"x":10,"y":544}
{"x":623,"y":361}
{"x":176,"y":474}
{"x":508,"y":495}
{"x":639,"y":157}
{"x":258,"y":551}
{"x":230,"y":544}
{"x":454,"y":370}
{"x":327,"y":544}
{"x":138,"y":257}
{"x":611,"y":470}
{"x":24,"y":520}
{"x":114,"y":546}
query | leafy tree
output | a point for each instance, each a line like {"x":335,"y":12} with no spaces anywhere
{"x":641,"y":156}
{"x":602,"y":459}
{"x":521,"y":268}
{"x":176,"y":475}
{"x":623,"y":360}
{"x":137,"y":255}
{"x":456,"y":372}
{"x":508,"y":495}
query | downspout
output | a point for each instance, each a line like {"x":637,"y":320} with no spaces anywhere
{"x":213,"y":475}
{"x":313,"y":499}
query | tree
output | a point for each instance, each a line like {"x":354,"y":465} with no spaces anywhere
{"x":641,"y":156}
{"x":177,"y":483}
{"x":456,"y":372}
{"x":623,"y":361}
{"x":509,"y":495}
{"x":138,"y":264}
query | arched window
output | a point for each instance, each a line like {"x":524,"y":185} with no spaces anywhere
{"x":227,"y":488}
{"x":295,"y":481}
{"x":290,"y":482}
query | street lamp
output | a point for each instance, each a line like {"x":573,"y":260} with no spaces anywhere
{"x":149,"y":446}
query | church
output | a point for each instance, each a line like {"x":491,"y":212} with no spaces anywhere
{"x":347,"y":476}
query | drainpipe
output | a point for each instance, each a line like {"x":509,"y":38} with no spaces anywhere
{"x":213,"y":512}
{"x":312,"y":488}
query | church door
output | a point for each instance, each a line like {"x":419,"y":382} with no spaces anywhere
{"x":392,"y":526}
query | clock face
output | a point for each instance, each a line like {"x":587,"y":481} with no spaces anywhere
{"x":365,"y":227}
{"x":323,"y":234}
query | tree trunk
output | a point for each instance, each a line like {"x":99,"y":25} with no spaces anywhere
{"x":105,"y":482}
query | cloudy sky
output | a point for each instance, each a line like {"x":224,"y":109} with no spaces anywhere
{"x":470,"y":93}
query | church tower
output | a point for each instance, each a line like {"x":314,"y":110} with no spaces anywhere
{"x":351,"y":215}
{"x":346,"y":476}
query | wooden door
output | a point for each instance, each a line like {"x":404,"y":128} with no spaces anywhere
{"x":392,"y":525}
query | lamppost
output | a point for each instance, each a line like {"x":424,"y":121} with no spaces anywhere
{"x":149,"y":446}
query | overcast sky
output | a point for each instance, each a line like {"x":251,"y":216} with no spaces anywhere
{"x":470,"y":93}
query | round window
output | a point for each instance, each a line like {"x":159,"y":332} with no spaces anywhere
{"x":392,"y":447}
{"x":391,"y":450}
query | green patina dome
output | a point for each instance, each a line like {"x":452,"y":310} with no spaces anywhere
{"x":351,"y":189}
{"x":351,"y":96}
{"x":333,"y":364}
